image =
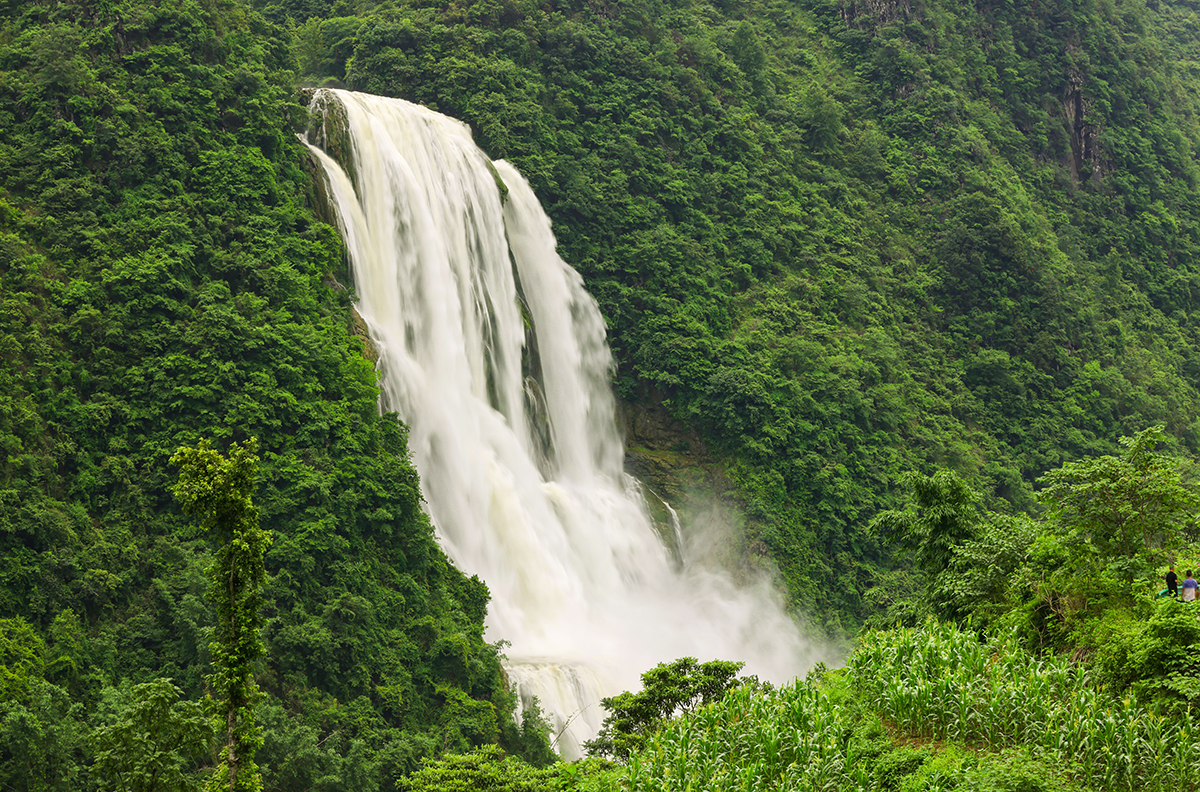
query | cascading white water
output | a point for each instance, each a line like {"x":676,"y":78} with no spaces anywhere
{"x":512,"y":424}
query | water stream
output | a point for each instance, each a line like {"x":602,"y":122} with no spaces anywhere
{"x":495,"y":356}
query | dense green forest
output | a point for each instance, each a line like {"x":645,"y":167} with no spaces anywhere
{"x":837,"y":241}
{"x":164,"y":280}
{"x":847,"y":251}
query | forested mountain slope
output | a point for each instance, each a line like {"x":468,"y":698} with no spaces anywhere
{"x":843,"y":240}
{"x":162,"y":281}
{"x":839,"y":240}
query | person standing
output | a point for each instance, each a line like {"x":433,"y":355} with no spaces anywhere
{"x":1172,"y":581}
{"x":1189,"y":588}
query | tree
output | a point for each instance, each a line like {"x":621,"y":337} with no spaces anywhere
{"x":976,"y":583}
{"x":43,"y":740}
{"x":22,"y":658}
{"x":42,"y":737}
{"x":1121,"y":512}
{"x":668,"y":689}
{"x":152,"y":742}
{"x":486,"y":768}
{"x":217,"y":491}
{"x":943,"y":515}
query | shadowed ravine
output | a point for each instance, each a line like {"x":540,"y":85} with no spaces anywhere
{"x":495,"y":356}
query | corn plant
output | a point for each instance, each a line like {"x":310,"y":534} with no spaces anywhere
{"x":934,"y":683}
{"x":752,"y":742}
{"x":938,"y":682}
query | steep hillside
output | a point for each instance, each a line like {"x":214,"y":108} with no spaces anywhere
{"x":162,"y":282}
{"x":834,"y":241}
{"x":843,"y":240}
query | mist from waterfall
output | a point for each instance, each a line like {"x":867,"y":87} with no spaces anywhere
{"x":495,"y":356}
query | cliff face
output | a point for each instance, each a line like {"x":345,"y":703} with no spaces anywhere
{"x":329,"y":130}
{"x":659,"y":447}
{"x":871,"y":15}
{"x":1086,"y":158}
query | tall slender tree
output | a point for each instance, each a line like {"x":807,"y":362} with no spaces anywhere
{"x":217,"y":492}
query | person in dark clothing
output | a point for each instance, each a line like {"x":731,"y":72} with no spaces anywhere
{"x":1173,"y":582}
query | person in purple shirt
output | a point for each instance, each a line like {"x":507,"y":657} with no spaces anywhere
{"x":1189,"y":587}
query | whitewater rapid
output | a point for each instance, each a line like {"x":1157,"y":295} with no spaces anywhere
{"x":495,"y":356}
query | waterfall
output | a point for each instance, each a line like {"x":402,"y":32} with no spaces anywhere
{"x":495,"y":356}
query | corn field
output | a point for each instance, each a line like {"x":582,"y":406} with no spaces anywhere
{"x":934,"y":683}
{"x":792,"y":739}
{"x":939,"y":683}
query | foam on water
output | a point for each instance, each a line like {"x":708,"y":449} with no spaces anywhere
{"x":495,"y":356}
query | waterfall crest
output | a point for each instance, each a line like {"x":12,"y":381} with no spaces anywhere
{"x":495,"y":355}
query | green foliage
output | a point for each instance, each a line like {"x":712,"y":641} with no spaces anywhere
{"x":485,"y":769}
{"x":328,"y":756}
{"x":43,"y":741}
{"x":22,"y":660}
{"x":1017,"y":771}
{"x":942,"y":516}
{"x":668,"y":689}
{"x":217,"y":490}
{"x":786,"y":739}
{"x":1012,"y":770}
{"x":42,"y":733}
{"x":1074,"y":578}
{"x":898,"y":598}
{"x":1122,"y":512}
{"x":966,"y":558}
{"x":153,"y":743}
{"x":823,"y":733}
{"x":163,"y":278}
{"x":843,"y":241}
{"x":1153,"y":656}
{"x":532,"y":740}
{"x":977,"y":584}
{"x":939,"y":683}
